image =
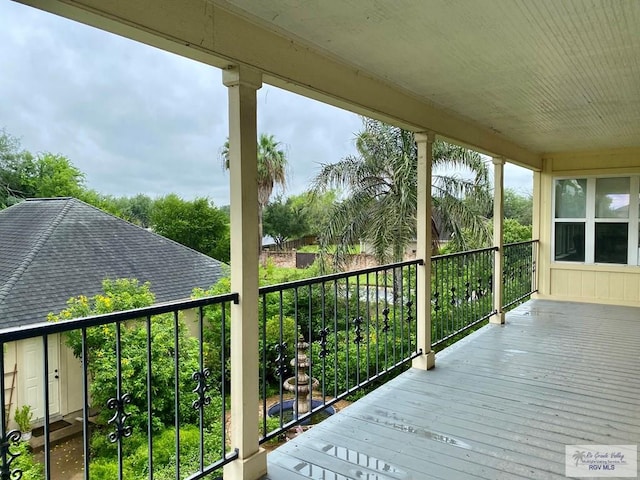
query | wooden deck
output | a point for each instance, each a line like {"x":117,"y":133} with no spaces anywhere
{"x":501,"y":404}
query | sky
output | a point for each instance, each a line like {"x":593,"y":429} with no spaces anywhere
{"x":136,"y":119}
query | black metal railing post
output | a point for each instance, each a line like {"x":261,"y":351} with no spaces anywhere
{"x":520,"y":275}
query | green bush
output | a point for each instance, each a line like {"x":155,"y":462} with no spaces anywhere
{"x":136,"y":454}
{"x":31,"y":470}
{"x":125,"y":294}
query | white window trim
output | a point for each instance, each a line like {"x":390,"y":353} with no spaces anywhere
{"x":590,"y":220}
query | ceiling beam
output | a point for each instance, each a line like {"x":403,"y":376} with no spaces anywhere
{"x":201,"y":30}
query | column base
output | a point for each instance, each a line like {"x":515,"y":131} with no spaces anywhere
{"x":425,"y":361}
{"x":497,"y":318}
{"x":250,"y":468}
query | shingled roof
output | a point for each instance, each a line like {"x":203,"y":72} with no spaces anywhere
{"x":54,"y":249}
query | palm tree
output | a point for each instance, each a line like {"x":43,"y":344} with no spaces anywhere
{"x":272,"y":171}
{"x":380,"y":186}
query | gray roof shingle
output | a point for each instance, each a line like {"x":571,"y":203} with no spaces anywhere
{"x":55,"y":249}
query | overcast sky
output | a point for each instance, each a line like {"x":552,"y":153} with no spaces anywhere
{"x":136,"y":119}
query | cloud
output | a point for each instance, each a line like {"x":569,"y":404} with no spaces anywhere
{"x":136,"y":119}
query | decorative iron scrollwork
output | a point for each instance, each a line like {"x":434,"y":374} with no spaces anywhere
{"x":385,"y":322}
{"x":480,"y":290}
{"x":436,"y":301}
{"x":202,"y":387}
{"x":119,"y":418}
{"x":454,"y":299}
{"x":357,"y":322}
{"x":12,"y":438}
{"x":324,"y":333}
{"x":409,"y":304}
{"x":281,"y":359}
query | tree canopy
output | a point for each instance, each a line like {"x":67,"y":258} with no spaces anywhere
{"x":297,"y":216}
{"x":23,"y":175}
{"x":197,"y":224}
{"x":380,"y":192}
{"x":518,"y":207}
{"x":284,"y":220}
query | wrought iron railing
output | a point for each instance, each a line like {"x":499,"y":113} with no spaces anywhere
{"x":321,"y":340}
{"x":151,"y":355}
{"x":337,"y":333}
{"x":519,"y":277}
{"x":461,"y":293}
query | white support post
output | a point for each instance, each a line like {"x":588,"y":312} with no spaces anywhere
{"x":243,"y":167}
{"x":423,"y":217}
{"x":498,"y":241}
{"x":536,"y":230}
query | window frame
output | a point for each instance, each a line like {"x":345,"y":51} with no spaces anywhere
{"x":590,"y":219}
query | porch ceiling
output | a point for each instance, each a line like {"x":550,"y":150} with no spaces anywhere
{"x":511,"y":78}
{"x":549,"y":75}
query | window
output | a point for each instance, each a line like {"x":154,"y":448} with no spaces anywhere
{"x":595,"y":220}
{"x":571,"y":213}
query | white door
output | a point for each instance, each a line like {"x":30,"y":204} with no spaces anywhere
{"x":32,"y":364}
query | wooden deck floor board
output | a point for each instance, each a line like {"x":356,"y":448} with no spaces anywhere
{"x":436,"y":459}
{"x":485,"y":449}
{"x":551,"y":425}
{"x":508,"y":425}
{"x":519,"y":405}
{"x":409,"y":453}
{"x":553,"y":375}
{"x":583,"y":401}
{"x":500,"y":404}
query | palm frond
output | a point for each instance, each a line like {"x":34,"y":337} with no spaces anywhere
{"x":380,"y":184}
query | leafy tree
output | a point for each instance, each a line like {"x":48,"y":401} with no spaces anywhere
{"x":284,"y":220}
{"x":24,"y":176}
{"x":316,"y":207}
{"x":197,"y":224}
{"x":226,"y":209}
{"x":514,"y":231}
{"x":381,"y":192}
{"x":518,"y":207}
{"x":138,"y":210}
{"x":107,"y":203}
{"x":272,"y":171}
{"x":126,"y":294}
{"x":55,"y":176}
{"x":12,"y":161}
{"x":298,"y":215}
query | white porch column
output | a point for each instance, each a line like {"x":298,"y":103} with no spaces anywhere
{"x":535,"y":231}
{"x":242,"y":86}
{"x":423,"y":250}
{"x":498,"y":227}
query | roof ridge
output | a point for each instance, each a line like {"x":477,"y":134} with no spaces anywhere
{"x":17,"y":273}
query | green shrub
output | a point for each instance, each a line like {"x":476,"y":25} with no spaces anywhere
{"x":31,"y":470}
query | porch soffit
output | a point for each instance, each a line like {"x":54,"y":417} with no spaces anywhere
{"x":549,"y":75}
{"x":512,"y":78}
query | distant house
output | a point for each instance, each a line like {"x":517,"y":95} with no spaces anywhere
{"x":55,"y":249}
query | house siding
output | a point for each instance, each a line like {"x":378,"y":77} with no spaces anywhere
{"x":597,"y":283}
